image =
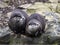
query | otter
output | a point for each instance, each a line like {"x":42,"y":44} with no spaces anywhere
{"x":17,"y":21}
{"x":35,"y":25}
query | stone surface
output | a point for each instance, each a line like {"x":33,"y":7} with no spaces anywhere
{"x":2,"y":5}
{"x":4,"y":36}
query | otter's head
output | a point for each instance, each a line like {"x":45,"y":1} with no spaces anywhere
{"x":17,"y":21}
{"x":33,"y":27}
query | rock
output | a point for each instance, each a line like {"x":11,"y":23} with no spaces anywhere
{"x":25,"y":5}
{"x":58,"y":1}
{"x":3,"y":5}
{"x":29,"y":40}
{"x":4,"y":35}
{"x":53,"y":30}
{"x":58,"y":9}
{"x":54,"y":1}
{"x":38,"y":8}
{"x":5,"y":39}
